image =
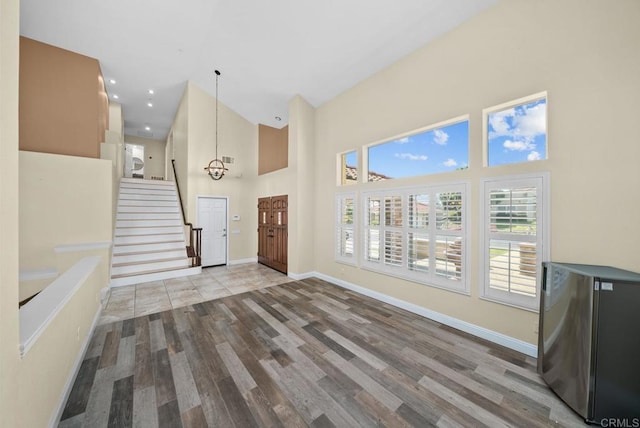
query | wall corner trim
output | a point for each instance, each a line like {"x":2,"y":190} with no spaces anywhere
{"x":37,"y":314}
{"x":484,"y":333}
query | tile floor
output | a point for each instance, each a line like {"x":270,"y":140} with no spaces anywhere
{"x":152,"y":297}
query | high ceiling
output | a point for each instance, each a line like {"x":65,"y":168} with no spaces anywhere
{"x":267,"y":51}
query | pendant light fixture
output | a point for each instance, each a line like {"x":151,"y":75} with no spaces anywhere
{"x":216,"y":168}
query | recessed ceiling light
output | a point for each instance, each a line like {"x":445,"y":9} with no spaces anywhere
{"x":115,"y":96}
{"x":149,"y":104}
{"x":150,"y":91}
{"x":112,"y":81}
{"x":147,"y":128}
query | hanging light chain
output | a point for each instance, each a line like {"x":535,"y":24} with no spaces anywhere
{"x":216,"y":167}
{"x":217,"y":76}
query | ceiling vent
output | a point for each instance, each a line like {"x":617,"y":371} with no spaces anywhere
{"x":227,"y":159}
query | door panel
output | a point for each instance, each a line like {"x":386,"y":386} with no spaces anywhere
{"x":273,"y":232}
{"x":212,"y":217}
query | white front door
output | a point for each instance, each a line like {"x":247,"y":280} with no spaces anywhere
{"x":212,"y":218}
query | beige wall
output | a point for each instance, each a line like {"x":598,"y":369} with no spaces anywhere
{"x":73,"y":208}
{"x":237,"y":138}
{"x":63,"y":103}
{"x":154,"y":155}
{"x":585,"y":54}
{"x":302,"y":201}
{"x":9,"y":355}
{"x":178,"y":146}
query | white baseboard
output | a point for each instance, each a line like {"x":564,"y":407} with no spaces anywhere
{"x":68,"y":386}
{"x":300,"y":276}
{"x":243,"y":261}
{"x":484,"y":333}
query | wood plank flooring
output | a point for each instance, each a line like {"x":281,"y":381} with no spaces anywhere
{"x":304,"y":353}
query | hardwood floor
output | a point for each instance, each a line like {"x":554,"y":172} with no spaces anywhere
{"x":303,"y":353}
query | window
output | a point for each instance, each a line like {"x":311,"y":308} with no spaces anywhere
{"x":345,"y":228}
{"x":348,"y":168}
{"x":516,"y":131}
{"x":514,"y":238}
{"x":439,"y":148}
{"x":417,"y":234}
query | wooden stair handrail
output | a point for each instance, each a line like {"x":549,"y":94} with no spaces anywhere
{"x":194,"y":249}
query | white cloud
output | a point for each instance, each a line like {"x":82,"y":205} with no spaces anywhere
{"x":450,"y":162}
{"x":532,"y":122}
{"x":533,"y":156}
{"x":499,"y":124}
{"x":440,"y":137}
{"x":519,"y":146}
{"x":411,"y":156}
{"x":404,"y":140}
{"x":521,"y":124}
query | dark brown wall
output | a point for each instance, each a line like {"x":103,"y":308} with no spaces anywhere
{"x":273,"y":148}
{"x":63,"y":104}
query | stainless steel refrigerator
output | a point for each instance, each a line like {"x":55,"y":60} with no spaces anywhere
{"x":589,"y":340}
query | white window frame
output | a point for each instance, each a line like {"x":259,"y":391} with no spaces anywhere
{"x":541,"y":181}
{"x":427,"y":278}
{"x":340,"y":166}
{"x":340,"y":227}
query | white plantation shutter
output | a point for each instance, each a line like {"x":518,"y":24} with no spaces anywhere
{"x":393,"y":248}
{"x":372,"y":227}
{"x":514,"y":239}
{"x":417,"y":234}
{"x":345,"y":249}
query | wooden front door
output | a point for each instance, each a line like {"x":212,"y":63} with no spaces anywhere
{"x":272,"y":232}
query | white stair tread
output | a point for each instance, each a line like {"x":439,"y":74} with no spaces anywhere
{"x":135,"y":191}
{"x":145,"y":203}
{"x":149,"y":216}
{"x":133,"y":181}
{"x":148,"y":248}
{"x":144,"y":197}
{"x":147,"y":223}
{"x":147,"y":239}
{"x":146,"y":209}
{"x":128,"y":231}
{"x":119,"y":259}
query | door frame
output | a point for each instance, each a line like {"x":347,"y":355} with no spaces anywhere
{"x":226,"y":198}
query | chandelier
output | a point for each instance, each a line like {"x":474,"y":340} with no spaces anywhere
{"x":216,"y":168}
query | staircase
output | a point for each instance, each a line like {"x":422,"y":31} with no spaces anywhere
{"x":149,"y":242}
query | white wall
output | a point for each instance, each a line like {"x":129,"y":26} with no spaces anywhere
{"x":585,"y":54}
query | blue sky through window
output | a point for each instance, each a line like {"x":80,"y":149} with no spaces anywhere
{"x":518,"y":134}
{"x":437,"y":150}
{"x":351,"y":159}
